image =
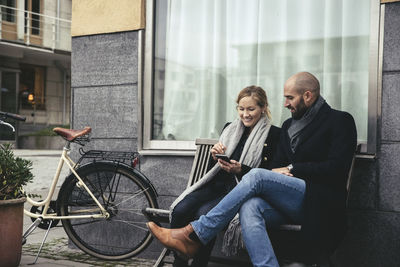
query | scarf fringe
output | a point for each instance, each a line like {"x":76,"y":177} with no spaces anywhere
{"x":233,"y":241}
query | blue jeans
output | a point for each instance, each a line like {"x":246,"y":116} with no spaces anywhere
{"x":263,"y":198}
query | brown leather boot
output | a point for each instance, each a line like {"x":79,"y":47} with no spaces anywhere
{"x":176,"y":239}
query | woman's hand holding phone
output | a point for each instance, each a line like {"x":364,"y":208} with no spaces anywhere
{"x":218,"y":148}
{"x":228,"y":165}
{"x":218,"y":153}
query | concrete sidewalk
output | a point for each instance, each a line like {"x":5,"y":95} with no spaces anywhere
{"x":56,"y":252}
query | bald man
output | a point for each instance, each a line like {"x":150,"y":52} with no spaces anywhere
{"x":307,"y":185}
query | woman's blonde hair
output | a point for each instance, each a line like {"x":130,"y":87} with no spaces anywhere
{"x":258,"y":94}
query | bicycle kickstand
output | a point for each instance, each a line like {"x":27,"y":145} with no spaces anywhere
{"x":30,"y":230}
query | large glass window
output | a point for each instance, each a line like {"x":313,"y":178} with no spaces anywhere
{"x":206,"y":51}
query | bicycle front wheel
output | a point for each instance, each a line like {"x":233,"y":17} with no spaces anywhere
{"x":123,"y":193}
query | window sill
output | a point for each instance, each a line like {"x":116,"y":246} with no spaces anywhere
{"x":159,"y":152}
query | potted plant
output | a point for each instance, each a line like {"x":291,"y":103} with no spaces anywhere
{"x":15,"y":172}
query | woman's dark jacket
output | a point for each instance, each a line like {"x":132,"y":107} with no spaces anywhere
{"x":323,"y":159}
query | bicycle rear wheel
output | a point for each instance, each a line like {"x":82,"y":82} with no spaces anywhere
{"x":123,"y":193}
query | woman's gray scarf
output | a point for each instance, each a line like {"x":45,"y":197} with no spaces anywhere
{"x":298,"y":125}
{"x":230,"y":137}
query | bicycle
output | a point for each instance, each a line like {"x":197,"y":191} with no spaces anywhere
{"x":100,"y":203}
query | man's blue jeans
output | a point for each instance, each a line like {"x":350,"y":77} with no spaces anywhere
{"x":263,"y":198}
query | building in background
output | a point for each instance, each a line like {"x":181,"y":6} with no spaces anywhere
{"x":35,"y":62}
{"x":153,"y":75}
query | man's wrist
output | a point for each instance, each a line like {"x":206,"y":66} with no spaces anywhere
{"x":289,"y":167}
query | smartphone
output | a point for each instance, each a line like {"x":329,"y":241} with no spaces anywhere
{"x":223,"y":157}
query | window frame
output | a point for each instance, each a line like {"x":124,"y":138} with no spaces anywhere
{"x":148,"y":146}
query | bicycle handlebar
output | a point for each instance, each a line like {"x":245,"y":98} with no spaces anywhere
{"x":12,"y":116}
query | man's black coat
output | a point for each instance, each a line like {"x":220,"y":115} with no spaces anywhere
{"x":322,"y":158}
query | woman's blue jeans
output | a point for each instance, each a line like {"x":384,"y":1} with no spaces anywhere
{"x":262,"y":198}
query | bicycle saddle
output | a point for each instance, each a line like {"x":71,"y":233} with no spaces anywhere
{"x":71,"y":134}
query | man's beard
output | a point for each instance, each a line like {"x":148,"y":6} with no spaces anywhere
{"x":301,"y":109}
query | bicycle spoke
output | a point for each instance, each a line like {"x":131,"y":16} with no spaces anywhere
{"x":132,"y":224}
{"x":112,"y":180}
{"x":140,"y":192}
{"x":116,"y":189}
{"x":99,"y":183}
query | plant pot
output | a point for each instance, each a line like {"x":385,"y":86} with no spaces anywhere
{"x":11,"y":223}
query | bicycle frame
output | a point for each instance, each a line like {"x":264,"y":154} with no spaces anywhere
{"x":102,"y":213}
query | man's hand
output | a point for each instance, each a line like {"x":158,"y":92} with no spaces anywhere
{"x":283,"y":170}
{"x":231,"y":167}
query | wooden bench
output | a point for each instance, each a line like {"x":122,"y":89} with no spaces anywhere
{"x":199,"y":168}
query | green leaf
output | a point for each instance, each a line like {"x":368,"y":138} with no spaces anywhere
{"x":15,"y":172}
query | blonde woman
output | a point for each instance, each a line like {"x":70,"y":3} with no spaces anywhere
{"x":249,"y":142}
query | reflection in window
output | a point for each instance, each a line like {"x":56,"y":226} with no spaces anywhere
{"x":8,"y":14}
{"x":31,"y":94}
{"x":207,"y":51}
